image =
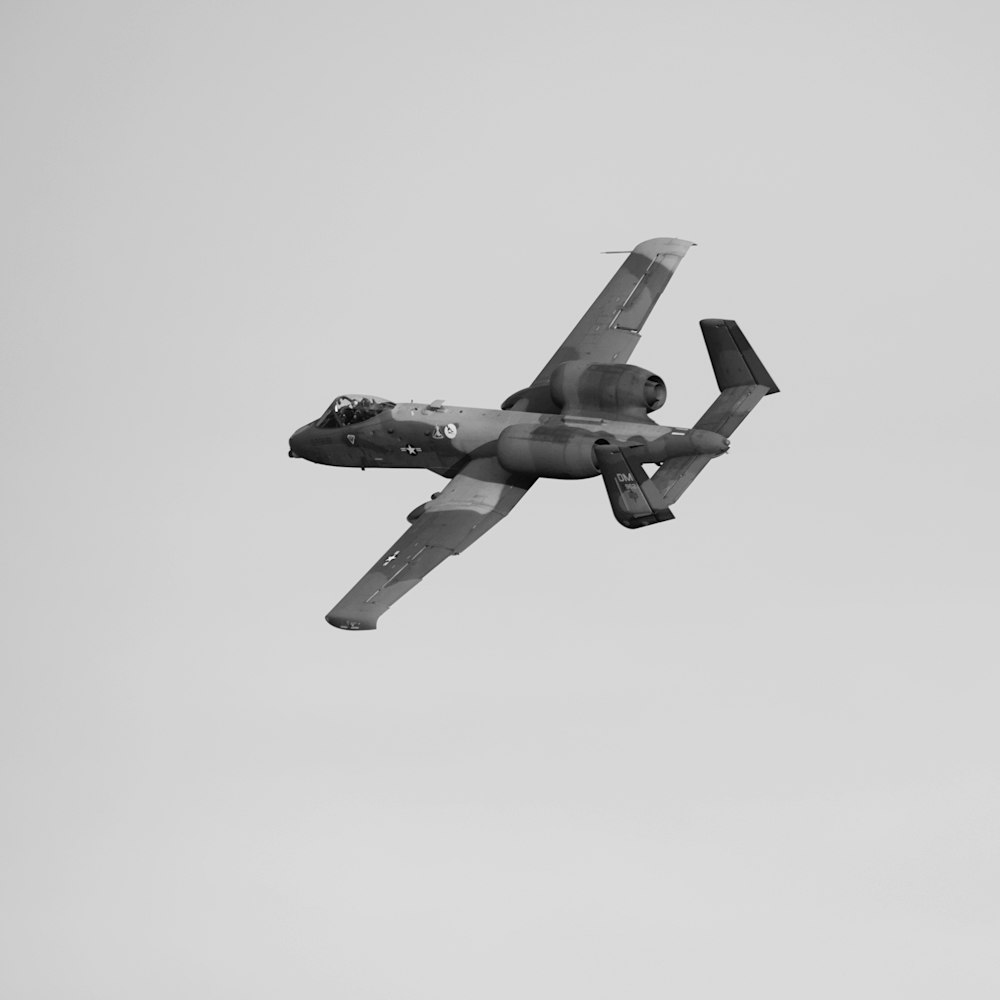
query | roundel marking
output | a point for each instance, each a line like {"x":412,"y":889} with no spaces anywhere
{"x":450,"y":431}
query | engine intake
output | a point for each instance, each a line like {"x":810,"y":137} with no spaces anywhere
{"x":622,"y":391}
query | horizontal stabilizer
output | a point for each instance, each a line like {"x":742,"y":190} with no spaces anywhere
{"x":676,"y":474}
{"x":731,"y":408}
{"x":743,"y":383}
{"x":635,"y":501}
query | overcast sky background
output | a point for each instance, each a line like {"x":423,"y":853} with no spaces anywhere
{"x":750,"y":752}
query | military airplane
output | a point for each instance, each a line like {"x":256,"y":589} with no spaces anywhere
{"x":585,"y":414}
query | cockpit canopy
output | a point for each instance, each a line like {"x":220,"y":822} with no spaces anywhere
{"x":347,"y":410}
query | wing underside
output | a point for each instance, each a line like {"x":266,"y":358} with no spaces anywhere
{"x":479,"y":497}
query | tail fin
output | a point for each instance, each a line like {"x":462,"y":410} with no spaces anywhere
{"x":743,"y":383}
{"x":735,"y":362}
{"x":743,"y":380}
{"x":634,"y":500}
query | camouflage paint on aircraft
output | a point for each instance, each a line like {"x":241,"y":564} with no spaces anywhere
{"x":586,"y":414}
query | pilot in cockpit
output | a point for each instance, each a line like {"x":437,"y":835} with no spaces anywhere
{"x":347,"y":410}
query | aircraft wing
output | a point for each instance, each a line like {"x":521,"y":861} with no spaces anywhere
{"x":477,"y":498}
{"x":609,"y":330}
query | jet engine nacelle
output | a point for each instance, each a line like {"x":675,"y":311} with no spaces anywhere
{"x":554,"y":452}
{"x":623,"y":390}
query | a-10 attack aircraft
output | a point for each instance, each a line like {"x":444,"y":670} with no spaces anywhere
{"x":585,"y":414}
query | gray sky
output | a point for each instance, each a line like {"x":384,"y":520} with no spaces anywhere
{"x":749,"y":752}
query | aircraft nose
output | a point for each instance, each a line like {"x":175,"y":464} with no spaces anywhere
{"x":297,"y":443}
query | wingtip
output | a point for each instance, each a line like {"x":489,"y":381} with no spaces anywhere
{"x":352,"y":622}
{"x":658,"y":244}
{"x":664,"y":244}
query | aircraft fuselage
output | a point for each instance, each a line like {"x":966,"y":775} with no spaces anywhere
{"x":442,"y":438}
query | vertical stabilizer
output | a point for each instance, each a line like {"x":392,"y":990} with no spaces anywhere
{"x":636,"y":502}
{"x":743,"y":383}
